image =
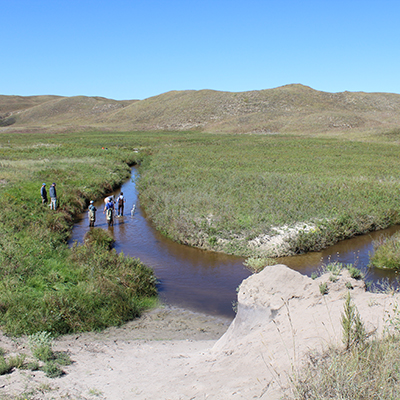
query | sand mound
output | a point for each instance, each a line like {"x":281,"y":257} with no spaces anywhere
{"x":175,"y":354}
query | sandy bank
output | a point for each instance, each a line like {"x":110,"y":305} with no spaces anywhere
{"x":175,"y":354}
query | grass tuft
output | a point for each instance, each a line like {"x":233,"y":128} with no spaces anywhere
{"x":386,"y":252}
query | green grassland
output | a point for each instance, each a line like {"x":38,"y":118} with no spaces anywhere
{"x":214,"y":191}
{"x":220,"y":192}
{"x":46,"y":286}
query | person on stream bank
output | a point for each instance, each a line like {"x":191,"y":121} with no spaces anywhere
{"x":53,"y":197}
{"x":43,"y":193}
{"x":92,"y":214}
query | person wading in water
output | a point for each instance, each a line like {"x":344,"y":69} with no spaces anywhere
{"x":120,"y":203}
{"x":109,"y":211}
{"x":92,"y":214}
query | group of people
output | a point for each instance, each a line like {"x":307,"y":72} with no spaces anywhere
{"x":110,"y":204}
{"x":109,"y":209}
{"x":52,"y":193}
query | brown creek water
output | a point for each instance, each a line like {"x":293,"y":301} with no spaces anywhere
{"x":206,"y":281}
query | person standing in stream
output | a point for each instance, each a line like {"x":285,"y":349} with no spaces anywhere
{"x":92,"y":213}
{"x":109,"y":211}
{"x":120,"y":203}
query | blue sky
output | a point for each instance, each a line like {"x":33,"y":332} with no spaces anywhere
{"x":141,"y":48}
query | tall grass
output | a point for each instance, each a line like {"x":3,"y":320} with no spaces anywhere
{"x":386,"y":252}
{"x":46,"y":286}
{"x":212,"y":191}
{"x":364,"y":369}
{"x":219,"y":192}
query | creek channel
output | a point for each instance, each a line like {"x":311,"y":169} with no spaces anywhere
{"x":206,"y":281}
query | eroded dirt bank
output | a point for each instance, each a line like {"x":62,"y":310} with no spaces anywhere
{"x":175,"y":354}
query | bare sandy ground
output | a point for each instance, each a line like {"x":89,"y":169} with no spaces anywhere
{"x":173,"y":354}
{"x":135,"y":361}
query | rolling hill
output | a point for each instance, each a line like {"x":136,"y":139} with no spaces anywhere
{"x":294,"y":109}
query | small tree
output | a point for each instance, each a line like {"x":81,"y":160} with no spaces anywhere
{"x":353,"y":328}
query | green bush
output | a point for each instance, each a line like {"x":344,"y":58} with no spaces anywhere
{"x":355,"y":273}
{"x":99,"y":237}
{"x":52,"y":370}
{"x":386,"y":252}
{"x":5,"y":367}
{"x":323,"y":288}
{"x":40,"y":345}
{"x":257,"y":264}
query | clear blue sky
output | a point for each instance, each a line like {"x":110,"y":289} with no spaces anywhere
{"x":140,"y":48}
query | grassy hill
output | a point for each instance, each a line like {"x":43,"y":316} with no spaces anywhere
{"x":288,"y":109}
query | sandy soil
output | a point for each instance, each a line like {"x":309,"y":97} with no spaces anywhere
{"x":173,"y":354}
{"x":135,"y":361}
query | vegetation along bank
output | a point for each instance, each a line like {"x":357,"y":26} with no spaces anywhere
{"x":230,"y":193}
{"x":45,"y":285}
{"x":263,"y":195}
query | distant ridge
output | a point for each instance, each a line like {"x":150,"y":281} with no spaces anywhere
{"x":292,"y":108}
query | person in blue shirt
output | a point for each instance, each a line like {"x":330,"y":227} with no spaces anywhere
{"x":109,"y":209}
{"x":53,"y":197}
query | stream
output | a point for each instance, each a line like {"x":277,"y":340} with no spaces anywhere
{"x":206,"y":281}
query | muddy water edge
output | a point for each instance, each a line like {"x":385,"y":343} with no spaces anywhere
{"x":206,"y":281}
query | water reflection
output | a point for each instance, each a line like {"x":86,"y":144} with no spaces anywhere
{"x":354,"y":251}
{"x":202,"y":280}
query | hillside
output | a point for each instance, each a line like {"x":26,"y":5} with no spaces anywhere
{"x":288,"y":109}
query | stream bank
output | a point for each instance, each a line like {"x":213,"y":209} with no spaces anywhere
{"x":205,"y":281}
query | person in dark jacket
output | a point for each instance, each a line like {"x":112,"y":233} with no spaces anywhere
{"x":53,"y":197}
{"x":43,"y":193}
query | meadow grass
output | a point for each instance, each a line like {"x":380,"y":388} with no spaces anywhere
{"x":219,"y":192}
{"x":386,"y":252}
{"x":212,"y":191}
{"x":46,"y":286}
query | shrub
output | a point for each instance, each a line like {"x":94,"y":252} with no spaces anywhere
{"x":40,"y":345}
{"x":386,"y":252}
{"x":52,"y":370}
{"x":314,"y":275}
{"x":62,"y":358}
{"x":353,"y":327}
{"x":355,"y":273}
{"x":5,"y":367}
{"x":334,"y":268}
{"x":355,"y":373}
{"x":99,"y":237}
{"x":323,"y":288}
{"x":257,"y":264}
{"x":17,"y":361}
